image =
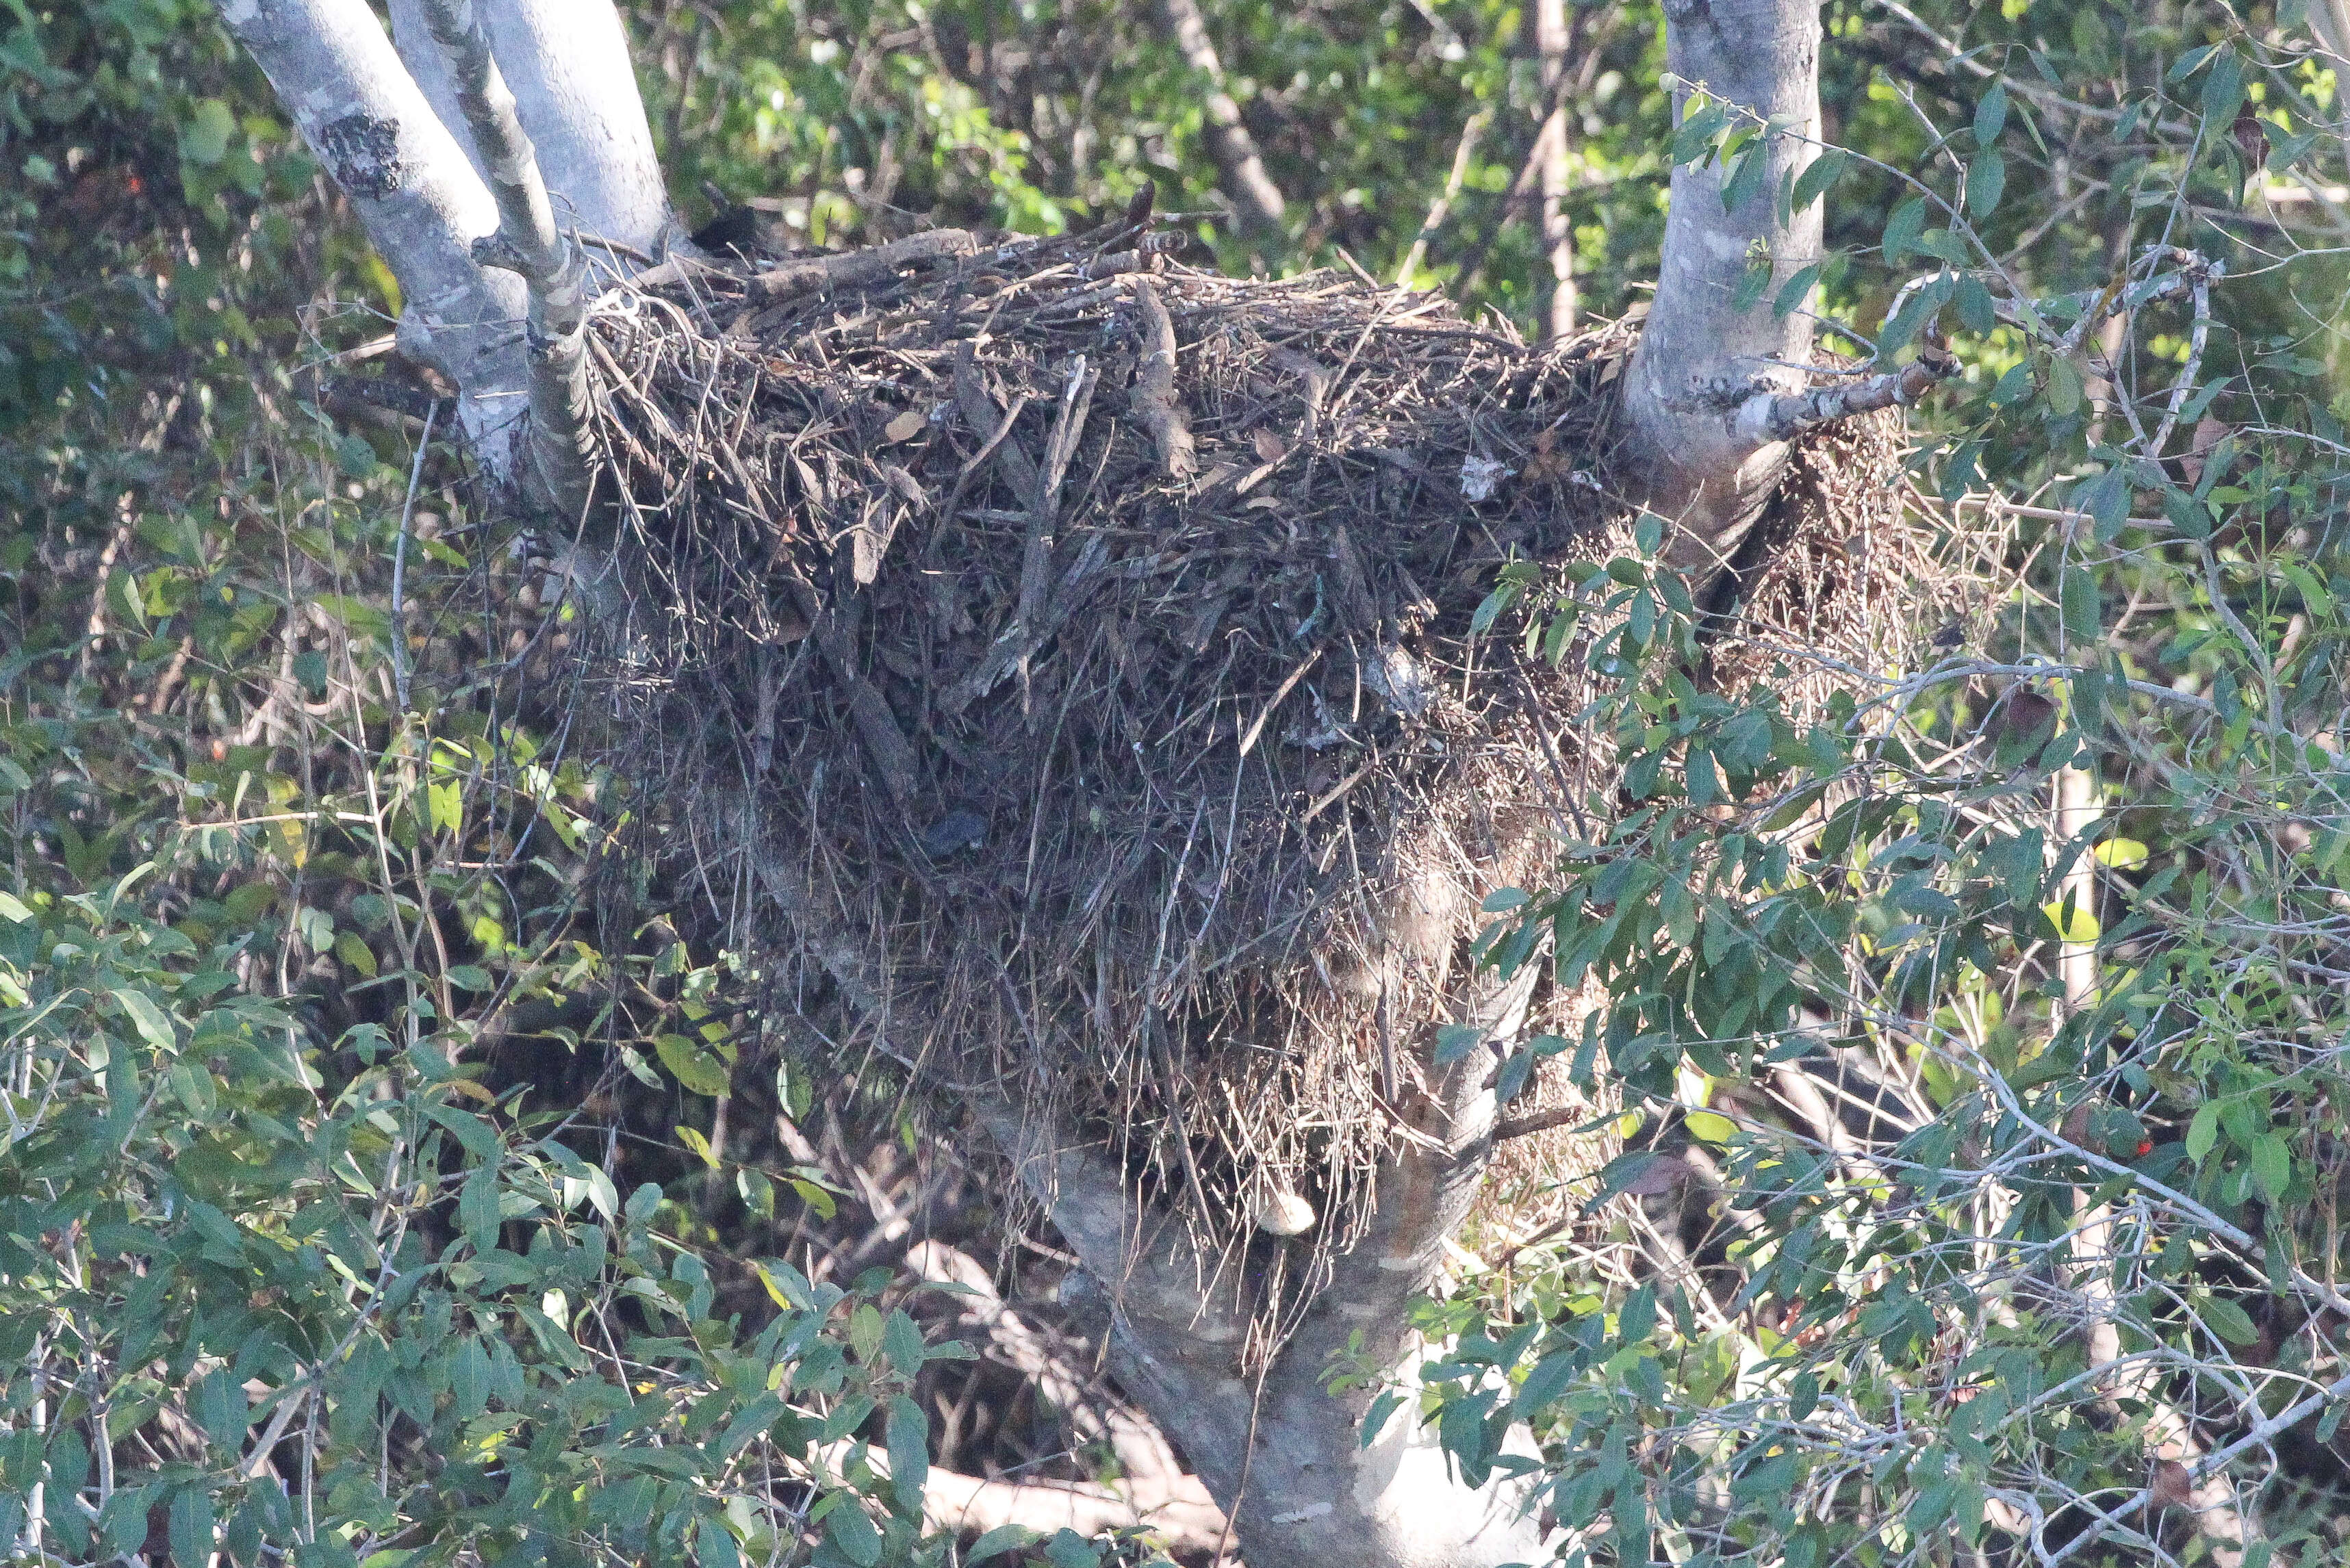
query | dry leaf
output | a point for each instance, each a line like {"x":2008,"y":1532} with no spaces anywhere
{"x":1545,"y":463}
{"x":2209,"y":433}
{"x":1270,"y":447}
{"x":905,"y":427}
{"x":1660,"y":1175}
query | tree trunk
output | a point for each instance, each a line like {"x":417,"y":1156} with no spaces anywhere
{"x":407,"y":180}
{"x":1702,"y":450}
{"x":1551,"y":35}
{"x":576,"y":93}
{"x":1281,"y":1454}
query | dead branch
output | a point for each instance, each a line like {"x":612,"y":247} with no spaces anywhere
{"x":1773,"y":417}
{"x":858,"y":269}
{"x":1156,"y":404}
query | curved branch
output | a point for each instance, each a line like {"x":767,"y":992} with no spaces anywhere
{"x":527,"y":242}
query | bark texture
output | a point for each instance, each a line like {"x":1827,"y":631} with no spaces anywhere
{"x":575,"y":95}
{"x":1552,"y":32}
{"x":407,"y":180}
{"x":527,"y":244}
{"x":1692,"y":458}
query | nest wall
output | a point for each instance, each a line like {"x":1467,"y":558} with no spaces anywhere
{"x":1118,"y":708}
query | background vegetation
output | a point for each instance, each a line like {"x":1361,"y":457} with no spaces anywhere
{"x":388,"y":1174}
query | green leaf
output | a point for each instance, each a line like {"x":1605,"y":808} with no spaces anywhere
{"x":2083,"y":610}
{"x":2223,"y":89}
{"x":854,"y":1533}
{"x":1902,"y":229}
{"x":1003,"y":1538}
{"x":901,"y":1345}
{"x":1701,"y":120}
{"x":204,"y":138}
{"x":2272,"y":1165}
{"x":1795,"y":290}
{"x":1638,"y":1319}
{"x":908,"y":1437}
{"x":154,"y":1025}
{"x":191,"y":1525}
{"x":445,"y":807}
{"x":477,"y":1208}
{"x":13,"y":909}
{"x":1991,"y":115}
{"x":692,"y":1067}
{"x":1976,"y":307}
{"x":1455,"y":1041}
{"x":2226,"y":1319}
{"x":1752,"y":285}
{"x":1819,"y":176}
{"x":1986,"y":180}
{"x":220,"y":1408}
{"x":1802,"y":1395}
{"x":1746,"y":181}
{"x":2065,"y":385}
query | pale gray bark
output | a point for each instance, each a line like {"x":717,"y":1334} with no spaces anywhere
{"x":455,"y":196}
{"x":422,"y":206}
{"x":1701,"y":360}
{"x":1551,"y":34}
{"x":576,"y":94}
{"x":527,"y":242}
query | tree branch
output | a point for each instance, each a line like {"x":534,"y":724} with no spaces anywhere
{"x":1154,"y":1477}
{"x":1780,"y":416}
{"x":1252,"y":191}
{"x":357,"y":107}
{"x":575,"y":89}
{"x":527,"y":242}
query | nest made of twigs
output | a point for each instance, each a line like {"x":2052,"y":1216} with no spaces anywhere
{"x":1119,"y":710}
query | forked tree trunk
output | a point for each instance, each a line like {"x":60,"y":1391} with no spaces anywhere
{"x":481,"y":216}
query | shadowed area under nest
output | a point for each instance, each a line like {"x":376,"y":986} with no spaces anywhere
{"x":1076,"y":647}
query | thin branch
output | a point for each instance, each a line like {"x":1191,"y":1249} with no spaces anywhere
{"x":1471,"y":134}
{"x":1777,"y":416}
{"x":528,"y":243}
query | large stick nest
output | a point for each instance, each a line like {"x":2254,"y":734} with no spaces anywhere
{"x":1126,"y":726}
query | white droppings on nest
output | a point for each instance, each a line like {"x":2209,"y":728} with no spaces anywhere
{"x":1278,"y":1212}
{"x":1479,"y":475}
